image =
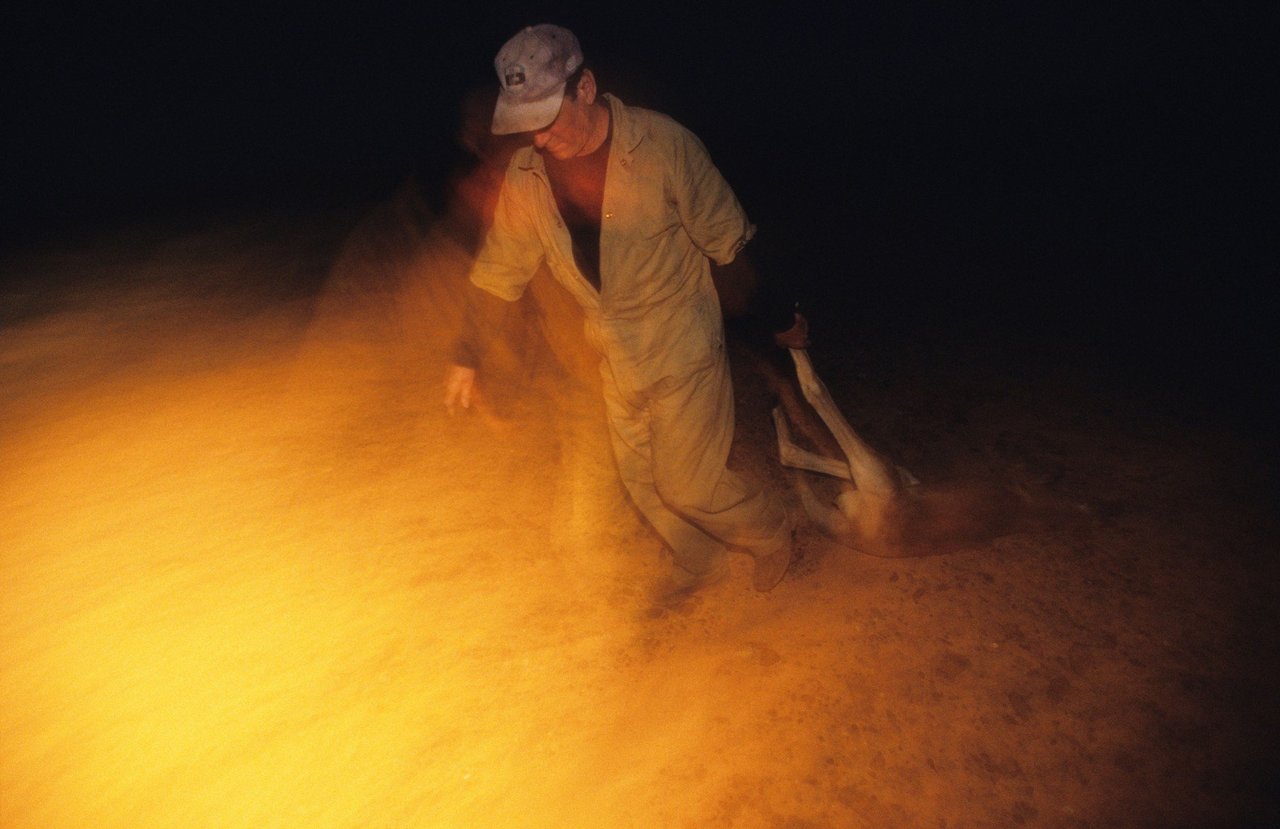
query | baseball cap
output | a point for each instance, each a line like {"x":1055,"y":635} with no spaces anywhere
{"x":532,"y":68}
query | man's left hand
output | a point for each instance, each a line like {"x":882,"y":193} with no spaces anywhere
{"x":797,"y":336}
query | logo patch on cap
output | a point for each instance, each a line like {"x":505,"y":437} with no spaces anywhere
{"x":514,"y":77}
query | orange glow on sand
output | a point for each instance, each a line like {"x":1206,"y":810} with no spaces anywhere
{"x":254,"y":576}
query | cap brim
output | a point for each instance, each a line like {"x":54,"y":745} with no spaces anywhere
{"x":510,"y":116}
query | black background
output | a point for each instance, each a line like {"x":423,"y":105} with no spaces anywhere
{"x":1066,"y":184}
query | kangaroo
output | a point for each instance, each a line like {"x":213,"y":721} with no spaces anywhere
{"x":882,"y":509}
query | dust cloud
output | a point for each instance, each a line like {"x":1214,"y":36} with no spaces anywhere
{"x":254,"y":576}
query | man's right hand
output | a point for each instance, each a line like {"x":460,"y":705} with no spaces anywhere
{"x":459,"y":386}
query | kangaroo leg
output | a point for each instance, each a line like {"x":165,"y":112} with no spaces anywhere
{"x":877,"y":485}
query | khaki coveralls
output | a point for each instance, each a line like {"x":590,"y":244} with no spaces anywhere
{"x":656,"y":324}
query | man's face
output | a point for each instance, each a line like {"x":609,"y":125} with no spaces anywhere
{"x":567,"y":136}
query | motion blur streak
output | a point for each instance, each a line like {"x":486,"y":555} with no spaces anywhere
{"x":253,"y":577}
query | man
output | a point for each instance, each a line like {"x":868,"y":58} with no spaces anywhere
{"x":627,"y":211}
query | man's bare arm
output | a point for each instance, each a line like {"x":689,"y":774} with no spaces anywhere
{"x":484,"y":318}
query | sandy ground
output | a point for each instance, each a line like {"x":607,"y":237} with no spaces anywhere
{"x":254,"y":576}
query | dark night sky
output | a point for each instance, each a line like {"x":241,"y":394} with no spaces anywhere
{"x":1103,"y":177}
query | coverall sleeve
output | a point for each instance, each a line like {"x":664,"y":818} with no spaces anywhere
{"x":511,"y":252}
{"x":707,"y":206}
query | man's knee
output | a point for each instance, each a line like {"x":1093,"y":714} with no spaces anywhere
{"x":685,"y":494}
